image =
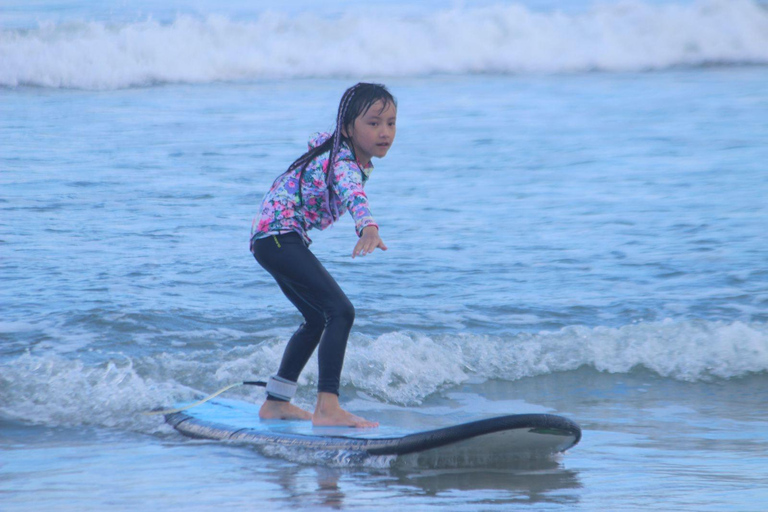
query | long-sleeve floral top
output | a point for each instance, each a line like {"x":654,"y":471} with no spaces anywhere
{"x":283,"y":210}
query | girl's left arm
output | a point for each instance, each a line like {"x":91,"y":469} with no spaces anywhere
{"x":349,"y":187}
{"x":369,"y":241}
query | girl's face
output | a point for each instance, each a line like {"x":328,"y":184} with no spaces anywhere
{"x":373,"y":132}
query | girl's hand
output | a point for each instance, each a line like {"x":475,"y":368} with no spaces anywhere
{"x":368,"y":242}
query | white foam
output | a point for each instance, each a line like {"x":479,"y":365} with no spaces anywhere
{"x":628,"y":36}
{"x":395,"y":368}
{"x":54,"y":390}
{"x":404,"y":368}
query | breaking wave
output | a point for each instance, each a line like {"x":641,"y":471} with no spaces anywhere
{"x":624,"y":37}
{"x":396,"y":368}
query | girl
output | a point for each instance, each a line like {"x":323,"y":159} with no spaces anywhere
{"x":313,"y":193}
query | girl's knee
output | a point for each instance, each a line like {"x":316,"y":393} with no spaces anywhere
{"x":314,"y":324}
{"x":343,"y":311}
{"x":349,"y":312}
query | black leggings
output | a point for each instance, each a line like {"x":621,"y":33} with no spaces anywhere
{"x":328,"y":314}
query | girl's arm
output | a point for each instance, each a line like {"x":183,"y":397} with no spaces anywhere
{"x":349,"y":187}
{"x":369,"y":241}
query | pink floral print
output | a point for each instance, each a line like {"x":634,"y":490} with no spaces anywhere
{"x":280,"y":209}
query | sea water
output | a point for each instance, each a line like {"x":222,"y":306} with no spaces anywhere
{"x":576,"y":215}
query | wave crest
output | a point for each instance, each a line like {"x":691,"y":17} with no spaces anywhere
{"x":404,"y":368}
{"x":397,"y":368}
{"x":630,"y":36}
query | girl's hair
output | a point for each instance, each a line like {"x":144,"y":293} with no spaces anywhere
{"x":354,"y":103}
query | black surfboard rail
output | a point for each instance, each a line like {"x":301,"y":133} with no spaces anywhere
{"x":547,"y":424}
{"x":551,"y":424}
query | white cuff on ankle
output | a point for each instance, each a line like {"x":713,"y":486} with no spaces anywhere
{"x":279,"y":387}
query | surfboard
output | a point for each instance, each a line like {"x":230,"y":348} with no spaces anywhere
{"x":516,"y":434}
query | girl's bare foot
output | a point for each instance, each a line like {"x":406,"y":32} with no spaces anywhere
{"x":328,"y":413}
{"x":276,"y":410}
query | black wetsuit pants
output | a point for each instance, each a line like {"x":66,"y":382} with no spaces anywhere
{"x":328,"y":314}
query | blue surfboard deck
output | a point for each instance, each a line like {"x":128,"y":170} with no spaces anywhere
{"x":238,"y":421}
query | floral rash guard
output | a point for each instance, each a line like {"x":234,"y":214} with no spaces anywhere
{"x":280,"y":209}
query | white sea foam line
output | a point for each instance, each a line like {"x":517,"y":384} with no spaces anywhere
{"x":396,"y":368}
{"x":405,"y":368}
{"x":629,"y":36}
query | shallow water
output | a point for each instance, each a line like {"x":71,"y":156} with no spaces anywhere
{"x":642,"y":448}
{"x":589,"y":244}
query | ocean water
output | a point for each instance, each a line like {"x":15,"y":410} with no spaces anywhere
{"x":575,"y":208}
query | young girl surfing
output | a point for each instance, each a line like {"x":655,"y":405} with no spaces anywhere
{"x":313,"y":193}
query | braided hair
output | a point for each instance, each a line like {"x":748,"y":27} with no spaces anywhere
{"x":354,"y":102}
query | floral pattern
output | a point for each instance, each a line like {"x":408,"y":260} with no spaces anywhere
{"x":280,"y":209}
